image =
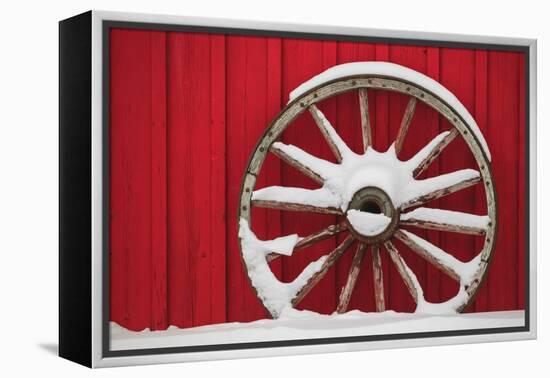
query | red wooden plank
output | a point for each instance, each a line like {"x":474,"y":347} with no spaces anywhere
{"x":348,"y":124}
{"x":218,"y":212}
{"x":195,"y":161}
{"x":503,"y":125}
{"x":480,"y":114}
{"x":457,"y":75}
{"x":182,"y":231}
{"x":130,"y":178}
{"x":302,"y":59}
{"x":198,"y":99}
{"x":159,"y":305}
{"x":274,"y":104}
{"x":521,"y":195}
{"x":117,"y":251}
{"x":253,"y":65}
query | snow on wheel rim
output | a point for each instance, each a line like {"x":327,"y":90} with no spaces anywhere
{"x":348,"y":190}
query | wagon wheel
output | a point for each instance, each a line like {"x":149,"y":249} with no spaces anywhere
{"x":372,"y":210}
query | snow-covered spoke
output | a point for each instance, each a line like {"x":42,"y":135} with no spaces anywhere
{"x":422,"y":160}
{"x":446,"y":220}
{"x":456,"y":269}
{"x":347,"y":290}
{"x":297,"y":199}
{"x":378,"y":279}
{"x":311,"y":239}
{"x":311,"y":166}
{"x":365,"y":118}
{"x":405,"y":122}
{"x":419,"y":192}
{"x":408,"y":276}
{"x":335,"y":142}
{"x":330,"y":259}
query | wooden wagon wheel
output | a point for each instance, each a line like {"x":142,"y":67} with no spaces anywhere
{"x":372,"y":208}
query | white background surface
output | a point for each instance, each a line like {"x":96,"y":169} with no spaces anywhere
{"x":29,"y":174}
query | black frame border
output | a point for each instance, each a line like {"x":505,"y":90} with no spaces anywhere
{"x":107,"y":25}
{"x":75,"y":191}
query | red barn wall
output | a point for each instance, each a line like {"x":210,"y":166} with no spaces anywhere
{"x":186,"y":112}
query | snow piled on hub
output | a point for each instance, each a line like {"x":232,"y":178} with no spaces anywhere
{"x":368,"y":224}
{"x":383,"y":170}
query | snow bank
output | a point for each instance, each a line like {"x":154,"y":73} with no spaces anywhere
{"x":397,"y":71}
{"x":307,"y":325}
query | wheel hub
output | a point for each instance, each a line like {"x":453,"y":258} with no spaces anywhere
{"x":375,"y":201}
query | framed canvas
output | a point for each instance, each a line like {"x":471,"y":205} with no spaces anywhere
{"x":233,"y":189}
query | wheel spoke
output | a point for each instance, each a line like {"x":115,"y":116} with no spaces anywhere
{"x":318,"y":236}
{"x":431,"y":151}
{"x":446,"y":220}
{"x":436,"y":256}
{"x":315,"y":278}
{"x":304,"y":162}
{"x":430,"y":189}
{"x":404,"y":127}
{"x":365,"y":119}
{"x":297,"y":199}
{"x":335,"y":142}
{"x":347,"y":290}
{"x":378,"y":279}
{"x":408,"y":276}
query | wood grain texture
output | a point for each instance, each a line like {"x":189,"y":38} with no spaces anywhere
{"x":458,"y":74}
{"x":402,"y":269}
{"x":159,"y":248}
{"x":503,"y":107}
{"x":253,"y":98}
{"x":196,"y":151}
{"x":331,"y":258}
{"x":404,"y":126}
{"x":353,"y":274}
{"x":365,"y":118}
{"x":186,"y":111}
{"x":378,"y":279}
{"x":130,"y":179}
{"x":481,"y":116}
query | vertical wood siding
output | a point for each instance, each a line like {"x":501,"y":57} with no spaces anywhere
{"x":186,"y":111}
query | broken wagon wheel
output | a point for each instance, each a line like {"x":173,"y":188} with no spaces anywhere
{"x":372,"y":206}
